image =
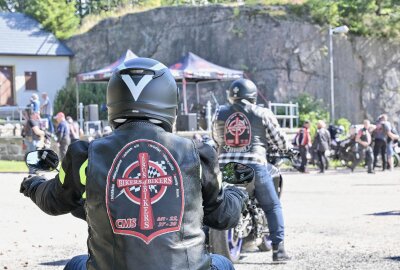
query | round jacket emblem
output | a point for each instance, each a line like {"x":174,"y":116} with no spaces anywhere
{"x":144,"y":194}
{"x":237,"y":130}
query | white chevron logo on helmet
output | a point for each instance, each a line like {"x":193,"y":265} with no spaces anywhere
{"x":136,"y":89}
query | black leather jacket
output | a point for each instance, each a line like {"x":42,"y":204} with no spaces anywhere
{"x":243,"y":131}
{"x":146,"y":193}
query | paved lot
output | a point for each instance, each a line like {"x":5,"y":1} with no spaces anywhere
{"x":334,"y":221}
{"x":338,"y":220}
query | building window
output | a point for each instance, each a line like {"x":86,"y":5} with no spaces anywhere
{"x":30,"y":80}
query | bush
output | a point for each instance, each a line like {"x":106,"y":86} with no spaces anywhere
{"x":311,"y":109}
{"x":89,"y":93}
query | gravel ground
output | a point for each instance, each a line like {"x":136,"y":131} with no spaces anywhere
{"x":337,"y":220}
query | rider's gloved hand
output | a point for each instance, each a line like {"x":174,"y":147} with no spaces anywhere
{"x":30,"y":183}
{"x":51,"y":159}
{"x":240,"y":192}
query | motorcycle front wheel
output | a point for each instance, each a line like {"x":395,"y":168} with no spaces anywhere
{"x":226,"y":243}
{"x":396,"y":160}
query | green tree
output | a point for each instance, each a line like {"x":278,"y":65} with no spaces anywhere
{"x":57,"y":16}
{"x":364,"y":17}
{"x":97,"y":7}
{"x":65,"y":100}
{"x":311,"y":109}
{"x":324,"y":11}
{"x":12,"y":5}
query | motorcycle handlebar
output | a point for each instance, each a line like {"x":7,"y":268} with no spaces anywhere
{"x":291,"y":153}
{"x":275,"y":156}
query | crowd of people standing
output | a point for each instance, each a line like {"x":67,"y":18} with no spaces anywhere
{"x":372,"y":141}
{"x":39,"y":126}
{"x":368,"y":143}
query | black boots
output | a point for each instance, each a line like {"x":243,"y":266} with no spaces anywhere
{"x":279,"y":253}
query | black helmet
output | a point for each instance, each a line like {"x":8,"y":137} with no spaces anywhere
{"x":242,"y":89}
{"x":142,"y":88}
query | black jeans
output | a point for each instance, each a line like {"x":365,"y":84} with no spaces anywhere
{"x":323,"y":161}
{"x":380,"y":148}
{"x":303,"y":155}
{"x":365,"y":152}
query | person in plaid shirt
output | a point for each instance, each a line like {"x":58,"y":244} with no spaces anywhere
{"x":243,"y":132}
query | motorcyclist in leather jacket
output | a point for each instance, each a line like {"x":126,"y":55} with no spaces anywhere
{"x":243,"y":132}
{"x":363,"y":138}
{"x":146,"y":191}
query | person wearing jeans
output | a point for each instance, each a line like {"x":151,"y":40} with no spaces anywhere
{"x":146,"y":192}
{"x":218,"y":262}
{"x":380,"y":135}
{"x":244,"y":132}
{"x":322,"y":144}
{"x":47,"y":111}
{"x":363,"y":138}
{"x":268,"y":199}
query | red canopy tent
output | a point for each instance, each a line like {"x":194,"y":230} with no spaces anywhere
{"x":190,"y":69}
{"x":100,"y":75}
{"x":193,"y":68}
{"x":104,"y":73}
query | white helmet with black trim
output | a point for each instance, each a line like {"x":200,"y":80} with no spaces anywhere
{"x":142,"y":88}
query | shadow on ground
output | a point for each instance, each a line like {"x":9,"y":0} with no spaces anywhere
{"x":55,"y":263}
{"x":397,"y":258}
{"x":261,"y":263}
{"x":388,"y":213}
{"x":375,"y":185}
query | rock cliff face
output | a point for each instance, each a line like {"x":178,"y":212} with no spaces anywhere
{"x":283,"y":57}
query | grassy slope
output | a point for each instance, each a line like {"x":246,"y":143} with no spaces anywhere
{"x":12,"y":166}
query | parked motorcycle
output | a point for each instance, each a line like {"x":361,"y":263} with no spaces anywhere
{"x":252,"y":226}
{"x":346,"y":151}
{"x":396,"y":155}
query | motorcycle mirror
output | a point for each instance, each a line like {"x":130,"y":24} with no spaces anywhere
{"x":237,"y":173}
{"x":42,"y":160}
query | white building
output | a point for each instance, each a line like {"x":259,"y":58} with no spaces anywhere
{"x":32,"y":60}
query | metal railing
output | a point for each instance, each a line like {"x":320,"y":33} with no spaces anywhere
{"x":286,"y":113}
{"x":12,"y":113}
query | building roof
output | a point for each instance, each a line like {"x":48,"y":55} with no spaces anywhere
{"x":22,"y":35}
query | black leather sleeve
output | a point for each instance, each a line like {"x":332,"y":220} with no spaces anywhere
{"x":222,"y":208}
{"x":64,"y":193}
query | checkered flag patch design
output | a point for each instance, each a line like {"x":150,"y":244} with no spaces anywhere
{"x":152,"y":173}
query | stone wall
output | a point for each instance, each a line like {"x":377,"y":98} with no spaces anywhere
{"x":10,"y":129}
{"x":11,"y":142}
{"x":284,"y":57}
{"x":11,"y":148}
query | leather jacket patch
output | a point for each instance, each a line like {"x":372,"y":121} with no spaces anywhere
{"x":144,"y":195}
{"x":237,"y":132}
